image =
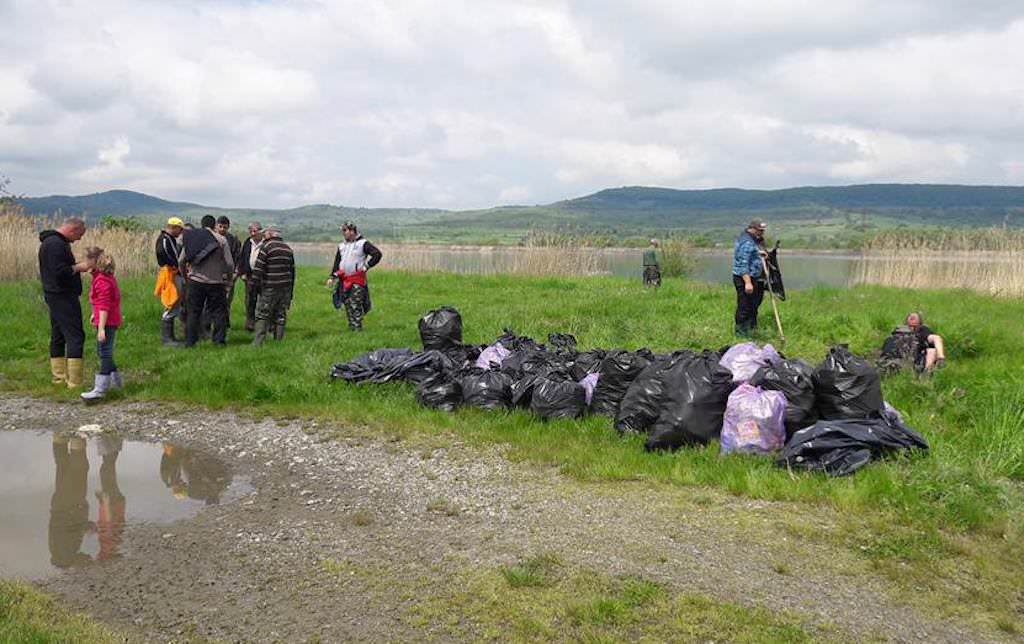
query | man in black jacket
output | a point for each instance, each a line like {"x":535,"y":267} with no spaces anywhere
{"x":235,"y":246}
{"x":208,"y":267}
{"x":61,"y":277}
{"x":243,"y":267}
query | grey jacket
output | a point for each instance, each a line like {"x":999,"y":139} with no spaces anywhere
{"x":215,"y":268}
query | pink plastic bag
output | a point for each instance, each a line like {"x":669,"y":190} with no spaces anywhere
{"x":495,"y":353}
{"x":755,"y":421}
{"x":589,"y":383}
{"x":745,"y":358}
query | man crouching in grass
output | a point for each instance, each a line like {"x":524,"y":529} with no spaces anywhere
{"x":273,"y":276}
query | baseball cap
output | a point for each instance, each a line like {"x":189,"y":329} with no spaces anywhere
{"x":758,"y":223}
{"x":175,"y":221}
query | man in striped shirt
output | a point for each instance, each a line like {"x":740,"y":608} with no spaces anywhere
{"x":273,"y":274}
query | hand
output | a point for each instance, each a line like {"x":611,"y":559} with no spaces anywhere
{"x":330,"y":280}
{"x":101,"y":334}
{"x":748,"y":288}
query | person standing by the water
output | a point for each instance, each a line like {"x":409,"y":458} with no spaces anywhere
{"x":274,"y":275}
{"x":61,"y":277}
{"x":170,"y":286}
{"x":652,"y":268}
{"x":208,"y":266}
{"x":747,"y":276}
{"x":105,"y":297}
{"x":354,"y":258}
{"x":243,"y":269}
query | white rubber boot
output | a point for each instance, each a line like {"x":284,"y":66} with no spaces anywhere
{"x":99,"y":390}
{"x":116,"y":382}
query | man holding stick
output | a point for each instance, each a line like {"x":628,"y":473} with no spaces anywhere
{"x":748,"y":276}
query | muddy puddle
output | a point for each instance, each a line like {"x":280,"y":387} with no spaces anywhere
{"x":67,"y":499}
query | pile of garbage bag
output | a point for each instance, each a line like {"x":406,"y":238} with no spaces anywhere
{"x":830,"y":417}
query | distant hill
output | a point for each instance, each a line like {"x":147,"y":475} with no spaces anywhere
{"x":813,"y":216}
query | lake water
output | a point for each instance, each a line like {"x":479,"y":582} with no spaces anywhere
{"x":801,"y":270}
{"x":68,"y":498}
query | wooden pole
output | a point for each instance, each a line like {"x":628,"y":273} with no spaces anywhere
{"x":771,"y":294}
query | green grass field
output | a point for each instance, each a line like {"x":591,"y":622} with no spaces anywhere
{"x":946,"y":526}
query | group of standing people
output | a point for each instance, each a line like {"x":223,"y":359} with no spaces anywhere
{"x":198,"y":270}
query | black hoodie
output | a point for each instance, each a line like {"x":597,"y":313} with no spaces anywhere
{"x":56,"y":265}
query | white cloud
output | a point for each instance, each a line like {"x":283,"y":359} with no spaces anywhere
{"x":474,"y":103}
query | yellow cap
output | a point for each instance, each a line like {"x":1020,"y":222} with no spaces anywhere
{"x":175,"y":221}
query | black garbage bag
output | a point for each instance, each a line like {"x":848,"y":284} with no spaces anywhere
{"x":529,"y":362}
{"x":586,"y":363}
{"x":440,"y":391}
{"x":554,"y":398}
{"x":841,"y":447}
{"x":696,"y":389}
{"x":645,"y":398}
{"x":618,"y":370}
{"x":441,"y":329}
{"x":795,"y":379}
{"x":486,"y":389}
{"x":513,"y":342}
{"x":417,"y":368}
{"x":562,"y":342}
{"x":370,"y":365}
{"x":846,"y":386}
{"x":899,"y":350}
{"x":775,"y":273}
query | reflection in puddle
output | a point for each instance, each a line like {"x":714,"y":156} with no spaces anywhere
{"x":46,"y":486}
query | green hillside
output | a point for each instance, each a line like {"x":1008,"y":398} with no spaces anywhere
{"x":832,"y":216}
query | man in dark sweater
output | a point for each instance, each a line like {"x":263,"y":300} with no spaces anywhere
{"x":234,"y":246}
{"x":274,"y":276}
{"x":61,"y":277}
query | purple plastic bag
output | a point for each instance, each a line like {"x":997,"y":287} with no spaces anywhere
{"x":589,"y":383}
{"x":495,"y":353}
{"x":755,"y":421}
{"x":745,"y":358}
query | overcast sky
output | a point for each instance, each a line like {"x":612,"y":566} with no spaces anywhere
{"x":453,"y":104}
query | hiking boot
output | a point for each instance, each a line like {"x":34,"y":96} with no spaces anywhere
{"x":99,"y":389}
{"x":940,"y":363}
{"x":59,"y":370}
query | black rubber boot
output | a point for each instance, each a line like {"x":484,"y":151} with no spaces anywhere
{"x":279,"y":331}
{"x":167,"y":333}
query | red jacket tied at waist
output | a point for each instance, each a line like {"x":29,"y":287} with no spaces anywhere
{"x":351,"y":279}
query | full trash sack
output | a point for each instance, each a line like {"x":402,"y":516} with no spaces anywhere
{"x":492,"y":356}
{"x":846,"y":386}
{"x":440,"y":392}
{"x":795,"y":379}
{"x":754,"y":421}
{"x":369,"y":365}
{"x":841,"y":447}
{"x":618,"y":370}
{"x":441,"y":329}
{"x":554,"y":398}
{"x":696,"y":391}
{"x":644,"y":399}
{"x":745,"y":358}
{"x":486,"y":389}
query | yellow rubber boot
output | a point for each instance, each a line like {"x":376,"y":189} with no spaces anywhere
{"x":59,"y":369}
{"x":74,"y":377}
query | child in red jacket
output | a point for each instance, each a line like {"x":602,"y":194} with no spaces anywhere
{"x":105,"y":297}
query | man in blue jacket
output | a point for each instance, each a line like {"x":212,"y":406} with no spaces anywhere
{"x":748,"y":276}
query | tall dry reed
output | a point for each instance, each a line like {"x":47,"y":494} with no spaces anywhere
{"x":19,"y":239}
{"x":521,"y":260}
{"x":987,"y":260}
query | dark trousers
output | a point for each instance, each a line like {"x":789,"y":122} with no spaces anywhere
{"x":212,"y":298}
{"x":105,"y":350}
{"x":67,"y":337}
{"x":252,"y":293}
{"x":747,"y":305}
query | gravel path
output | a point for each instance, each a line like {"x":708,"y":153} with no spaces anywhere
{"x":412,"y":517}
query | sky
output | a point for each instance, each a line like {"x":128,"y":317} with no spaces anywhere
{"x":471,"y":104}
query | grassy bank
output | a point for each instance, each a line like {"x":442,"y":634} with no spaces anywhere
{"x":946,"y":525}
{"x":28,"y":616}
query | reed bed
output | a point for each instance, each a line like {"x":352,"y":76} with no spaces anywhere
{"x":986,"y":260}
{"x":524,"y":260}
{"x":19,"y":239}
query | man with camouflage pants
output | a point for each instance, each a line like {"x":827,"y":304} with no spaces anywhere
{"x":354,"y":258}
{"x":273,"y":274}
